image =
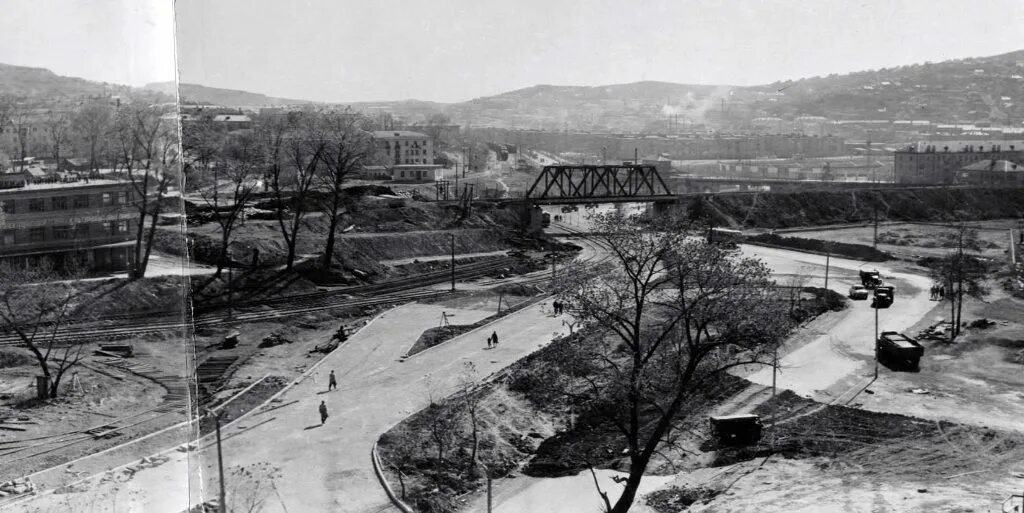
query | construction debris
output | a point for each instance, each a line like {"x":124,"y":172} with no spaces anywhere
{"x":274,"y":339}
{"x":938,"y":331}
{"x":17,"y":486}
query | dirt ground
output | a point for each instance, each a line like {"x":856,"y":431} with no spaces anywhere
{"x":978,"y":380}
{"x":920,"y":239}
{"x":102,"y":396}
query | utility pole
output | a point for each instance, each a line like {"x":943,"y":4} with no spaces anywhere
{"x":452,"y":235}
{"x":636,"y":156}
{"x":828,"y":255}
{"x":223,"y":506}
{"x":875,"y":341}
{"x":874,"y":243}
{"x":231,"y":286}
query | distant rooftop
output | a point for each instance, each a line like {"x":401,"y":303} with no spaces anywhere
{"x":392,"y":134}
{"x":998,"y":165}
{"x":238,"y":118}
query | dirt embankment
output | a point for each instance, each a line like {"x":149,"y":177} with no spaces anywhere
{"x":523,"y":420}
{"x":791,"y":209}
{"x":372,"y":230}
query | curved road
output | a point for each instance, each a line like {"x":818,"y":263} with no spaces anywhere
{"x":328,"y":468}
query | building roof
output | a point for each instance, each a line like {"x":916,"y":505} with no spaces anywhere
{"x":237,"y":118}
{"x":998,"y":165}
{"x":395,"y":134}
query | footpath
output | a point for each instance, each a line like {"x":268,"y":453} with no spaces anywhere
{"x":328,"y":467}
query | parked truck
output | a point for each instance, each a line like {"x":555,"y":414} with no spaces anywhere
{"x":884,"y":296}
{"x":899,"y":351}
{"x":870,"y":279}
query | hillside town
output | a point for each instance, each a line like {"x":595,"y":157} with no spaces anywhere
{"x":800,"y":296}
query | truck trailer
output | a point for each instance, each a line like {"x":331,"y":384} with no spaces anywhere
{"x":899,"y":351}
{"x":736,"y":430}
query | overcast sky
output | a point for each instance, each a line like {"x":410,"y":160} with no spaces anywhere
{"x":454,"y":50}
{"x":119,"y":41}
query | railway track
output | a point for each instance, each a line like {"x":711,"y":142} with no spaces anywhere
{"x":121,"y":327}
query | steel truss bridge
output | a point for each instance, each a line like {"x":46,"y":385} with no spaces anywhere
{"x":598,"y":183}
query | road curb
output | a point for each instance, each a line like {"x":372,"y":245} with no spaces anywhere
{"x":531,"y":302}
{"x":378,"y":469}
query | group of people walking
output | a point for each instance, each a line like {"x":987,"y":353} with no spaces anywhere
{"x":492,"y":340}
{"x":559,"y":307}
{"x":938,"y":292}
{"x":332,"y":384}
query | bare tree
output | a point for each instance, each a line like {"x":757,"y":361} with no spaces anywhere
{"x":680,"y":313}
{"x":35,"y":312}
{"x":348,"y":147}
{"x":146,"y":147}
{"x":91,"y":126}
{"x":19,"y":116}
{"x":294,"y":148}
{"x":471,"y":405}
{"x":58,"y":127}
{"x":962,"y":274}
{"x":230,"y":186}
{"x":251,"y":486}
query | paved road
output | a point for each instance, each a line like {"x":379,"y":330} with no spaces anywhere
{"x":826,"y":366}
{"x":328,"y":468}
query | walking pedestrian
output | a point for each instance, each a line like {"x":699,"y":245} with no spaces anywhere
{"x":332,"y":382}
{"x":488,"y":342}
{"x":323,"y":412}
{"x":494,"y":338}
{"x":942,"y":292}
{"x":555,"y":306}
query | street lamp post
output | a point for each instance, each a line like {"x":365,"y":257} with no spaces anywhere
{"x":875,"y":341}
{"x":231,"y":285}
{"x":223,"y":506}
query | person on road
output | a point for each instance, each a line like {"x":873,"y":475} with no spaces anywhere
{"x":494,"y":338}
{"x":488,"y":342}
{"x":323,"y":412}
{"x":332,"y":382}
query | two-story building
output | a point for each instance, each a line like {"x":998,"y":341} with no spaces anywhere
{"x":88,"y":219}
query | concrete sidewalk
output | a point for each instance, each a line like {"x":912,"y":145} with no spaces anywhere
{"x":327,"y":468}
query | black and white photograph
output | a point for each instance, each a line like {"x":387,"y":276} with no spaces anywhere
{"x":481,"y":256}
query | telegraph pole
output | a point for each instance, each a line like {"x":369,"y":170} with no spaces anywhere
{"x":828,"y":255}
{"x":875,"y":341}
{"x":874,"y":243}
{"x":452,"y":235}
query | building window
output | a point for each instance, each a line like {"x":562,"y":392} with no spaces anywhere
{"x":122,"y":198}
{"x":59,"y":202}
{"x":7,"y":207}
{"x":7,"y":238}
{"x":82,"y":231}
{"x":108,"y":228}
{"x":37,"y":234}
{"x":106,"y":199}
{"x":122,"y":227}
{"x":82,"y":201}
{"x":62,"y":233}
{"x":37,"y":205}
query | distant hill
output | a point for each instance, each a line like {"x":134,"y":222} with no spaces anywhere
{"x":979,"y":89}
{"x":195,"y":93}
{"x":618,"y":107}
{"x":42,"y":83}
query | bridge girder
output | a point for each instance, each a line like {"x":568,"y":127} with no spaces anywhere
{"x":596,"y":182}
